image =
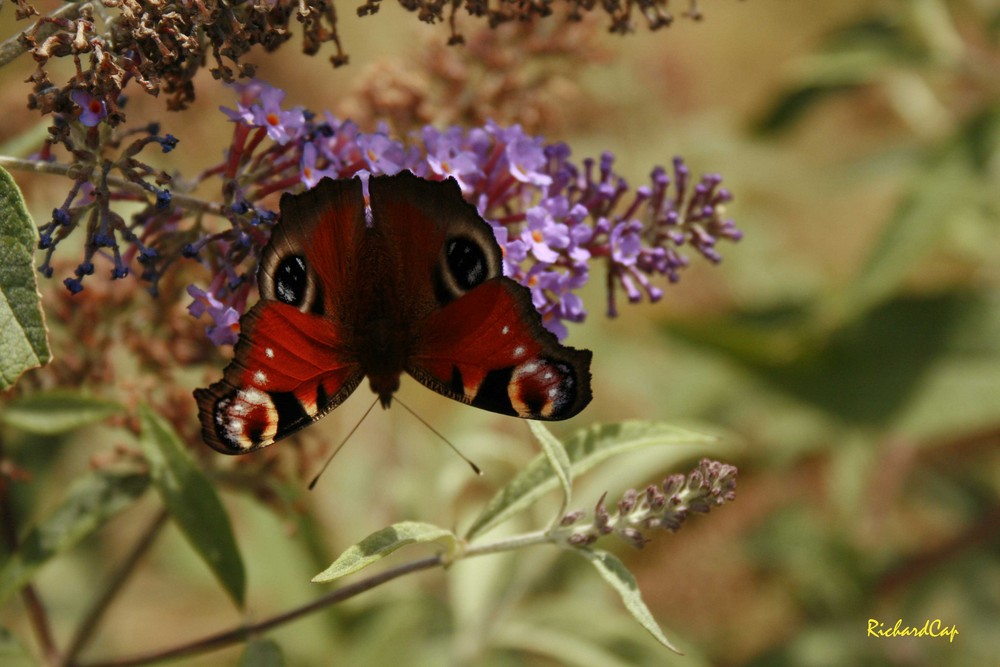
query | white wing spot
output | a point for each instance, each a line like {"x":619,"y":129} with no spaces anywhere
{"x":260,"y":378}
{"x":269,"y":353}
{"x":518,"y":351}
{"x":547,"y":375}
{"x":505,"y":330}
{"x":253,"y":396}
{"x":554,"y":392}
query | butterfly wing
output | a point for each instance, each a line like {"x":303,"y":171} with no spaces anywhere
{"x":296,"y":358}
{"x":478,"y":337}
{"x":489,"y":349}
{"x":289,"y":370}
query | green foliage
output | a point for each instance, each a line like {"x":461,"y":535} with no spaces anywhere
{"x":56,"y":412}
{"x":89,"y":503}
{"x":584,"y":450}
{"x":380,"y":544}
{"x":193,"y":503}
{"x":23,"y":340}
{"x":613,"y":571}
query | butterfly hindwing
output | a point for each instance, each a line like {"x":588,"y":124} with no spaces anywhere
{"x":488,"y":348}
{"x":289,"y":370}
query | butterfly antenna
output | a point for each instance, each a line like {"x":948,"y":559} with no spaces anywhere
{"x":343,"y":442}
{"x":433,"y":430}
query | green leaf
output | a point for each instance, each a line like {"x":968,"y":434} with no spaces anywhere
{"x":793,"y":104}
{"x":378,"y":545}
{"x":192,"y":502}
{"x":262,"y":653}
{"x":90,"y":502}
{"x":863,"y":373}
{"x":558,"y":462}
{"x":51,"y":413}
{"x":919,"y":222}
{"x":615,"y":573}
{"x":23,"y":338}
{"x":585,"y":449}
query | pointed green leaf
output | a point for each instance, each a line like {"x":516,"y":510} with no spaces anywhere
{"x":262,"y":653}
{"x":378,"y":545}
{"x":558,"y":462}
{"x":585,"y":449}
{"x":23,"y":339}
{"x":90,"y":502}
{"x":615,"y":573}
{"x":192,"y":502}
{"x":51,"y":413}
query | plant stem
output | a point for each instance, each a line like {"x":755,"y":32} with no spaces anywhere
{"x":241,"y":633}
{"x":85,"y":631}
{"x":176,"y":198}
{"x":238,"y":634}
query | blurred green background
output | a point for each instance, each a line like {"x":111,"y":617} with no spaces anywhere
{"x":847,"y":351}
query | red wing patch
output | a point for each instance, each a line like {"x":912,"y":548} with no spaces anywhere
{"x":488,"y":348}
{"x":290,"y":369}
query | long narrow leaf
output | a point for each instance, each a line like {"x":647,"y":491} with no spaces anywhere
{"x":50,"y":413}
{"x":615,"y":573}
{"x":192,"y":502}
{"x":585,"y":449}
{"x":90,"y":502}
{"x":378,"y":545}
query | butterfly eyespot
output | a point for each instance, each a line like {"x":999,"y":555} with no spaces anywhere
{"x":542,"y":388}
{"x":244,"y":419}
{"x":291,"y":280}
{"x":466,"y":262}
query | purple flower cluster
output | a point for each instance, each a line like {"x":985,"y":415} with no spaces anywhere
{"x":98,"y":183}
{"x":553,"y":218}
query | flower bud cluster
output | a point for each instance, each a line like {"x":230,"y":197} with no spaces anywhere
{"x":667,"y":506}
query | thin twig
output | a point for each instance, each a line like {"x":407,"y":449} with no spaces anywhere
{"x":85,"y":631}
{"x":60,"y":169}
{"x":239,"y":634}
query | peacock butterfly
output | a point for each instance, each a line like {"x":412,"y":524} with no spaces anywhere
{"x":403,"y":277}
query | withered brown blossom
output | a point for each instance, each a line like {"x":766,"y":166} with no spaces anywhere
{"x":162,"y":45}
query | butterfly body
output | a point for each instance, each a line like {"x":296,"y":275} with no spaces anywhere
{"x":407,"y":279}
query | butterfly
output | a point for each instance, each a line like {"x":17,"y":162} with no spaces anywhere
{"x":403,"y":275}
